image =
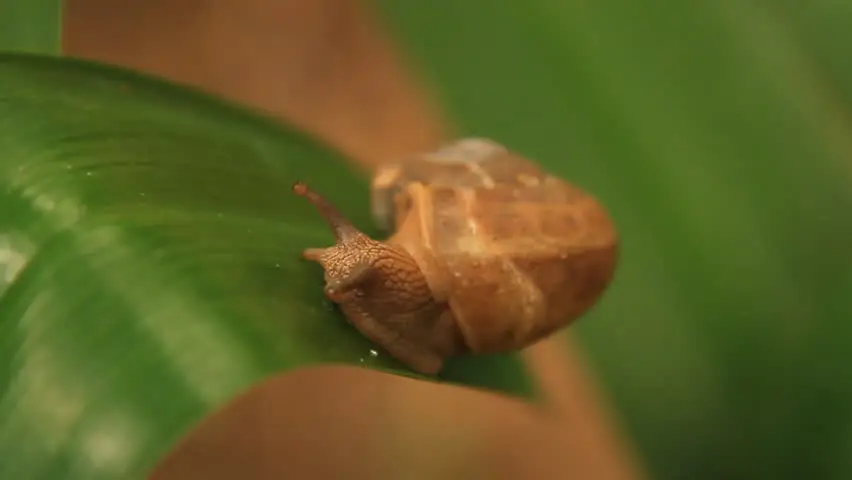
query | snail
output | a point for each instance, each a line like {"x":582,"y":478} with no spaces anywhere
{"x":489,"y":254}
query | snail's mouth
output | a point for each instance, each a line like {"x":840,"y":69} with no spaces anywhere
{"x":337,"y":291}
{"x":334,"y":293}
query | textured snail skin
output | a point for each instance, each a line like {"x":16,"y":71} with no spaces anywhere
{"x":489,"y":253}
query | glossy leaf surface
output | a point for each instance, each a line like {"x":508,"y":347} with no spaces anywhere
{"x":150,"y":269}
{"x":718,"y":134}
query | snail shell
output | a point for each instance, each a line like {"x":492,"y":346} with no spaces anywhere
{"x":525,"y":253}
{"x":489,"y":253}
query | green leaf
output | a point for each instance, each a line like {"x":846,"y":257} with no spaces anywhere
{"x":718,"y":134}
{"x":31,"y":26}
{"x":150,"y":269}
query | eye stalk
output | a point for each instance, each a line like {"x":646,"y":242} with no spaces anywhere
{"x":340,"y":225}
{"x":380,"y":288}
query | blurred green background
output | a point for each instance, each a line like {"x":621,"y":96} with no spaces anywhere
{"x":31,"y":26}
{"x":718,"y":133}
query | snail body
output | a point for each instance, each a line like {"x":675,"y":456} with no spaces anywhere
{"x":488,"y":253}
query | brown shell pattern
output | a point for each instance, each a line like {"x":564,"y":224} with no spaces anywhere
{"x":528,"y":253}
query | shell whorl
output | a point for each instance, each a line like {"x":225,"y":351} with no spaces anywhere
{"x":471,"y":254}
{"x":466,"y":154}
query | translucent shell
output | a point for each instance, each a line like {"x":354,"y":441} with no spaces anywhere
{"x":522,"y":253}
